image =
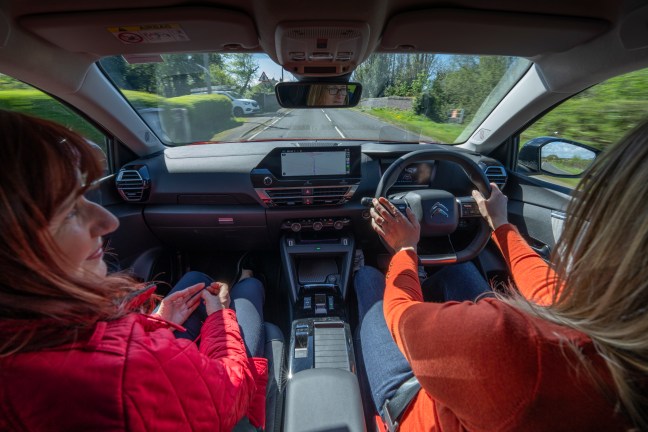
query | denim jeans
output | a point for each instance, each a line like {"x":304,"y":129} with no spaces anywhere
{"x":247,"y":300}
{"x":382,"y":367}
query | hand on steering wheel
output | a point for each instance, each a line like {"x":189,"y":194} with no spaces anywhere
{"x":397,"y":230}
{"x":492,"y":209}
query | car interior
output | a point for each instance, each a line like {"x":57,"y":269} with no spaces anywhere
{"x":294,"y":205}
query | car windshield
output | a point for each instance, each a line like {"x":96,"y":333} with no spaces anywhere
{"x":213,"y":97}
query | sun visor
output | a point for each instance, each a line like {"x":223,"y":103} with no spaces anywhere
{"x":460,"y":31}
{"x":141,"y":31}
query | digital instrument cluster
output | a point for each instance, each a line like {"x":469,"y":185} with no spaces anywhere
{"x":418,"y":174}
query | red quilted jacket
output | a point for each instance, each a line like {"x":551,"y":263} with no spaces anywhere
{"x":133,"y":374}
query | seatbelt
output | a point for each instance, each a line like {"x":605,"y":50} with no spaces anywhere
{"x":394,"y":408}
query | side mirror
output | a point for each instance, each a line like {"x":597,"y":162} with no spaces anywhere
{"x":318,"y":95}
{"x":556,"y":157}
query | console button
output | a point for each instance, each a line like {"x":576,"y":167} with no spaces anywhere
{"x":267,"y":181}
{"x":318,"y":225}
{"x":338,"y":225}
{"x":296,"y":227}
{"x":308,"y":302}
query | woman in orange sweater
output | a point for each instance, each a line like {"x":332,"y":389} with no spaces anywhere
{"x":566,"y":350}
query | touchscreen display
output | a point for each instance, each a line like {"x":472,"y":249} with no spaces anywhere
{"x":315,"y":163}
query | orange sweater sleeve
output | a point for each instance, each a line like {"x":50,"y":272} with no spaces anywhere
{"x":533,"y":277}
{"x":465,"y":355}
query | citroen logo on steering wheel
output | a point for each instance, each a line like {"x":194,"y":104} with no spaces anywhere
{"x":439,"y":209}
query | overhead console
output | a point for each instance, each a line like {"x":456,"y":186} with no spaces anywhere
{"x":308,"y":177}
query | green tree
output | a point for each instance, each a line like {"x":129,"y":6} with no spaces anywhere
{"x":464,"y":83}
{"x":372,"y":74}
{"x":242,"y":67}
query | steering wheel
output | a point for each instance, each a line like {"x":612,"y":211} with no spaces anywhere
{"x":438,"y":211}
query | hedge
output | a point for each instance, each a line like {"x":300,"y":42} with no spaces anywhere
{"x":204,"y":115}
{"x":199,"y":117}
{"x":39,"y":104}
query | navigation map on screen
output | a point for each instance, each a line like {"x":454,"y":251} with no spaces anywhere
{"x":315,"y":163}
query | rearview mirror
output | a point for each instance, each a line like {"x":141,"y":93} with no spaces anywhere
{"x":318,"y":95}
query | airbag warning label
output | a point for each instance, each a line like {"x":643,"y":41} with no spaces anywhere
{"x":150,"y":33}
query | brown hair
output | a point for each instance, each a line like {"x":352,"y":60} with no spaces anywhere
{"x":602,"y":265}
{"x":40,"y":304}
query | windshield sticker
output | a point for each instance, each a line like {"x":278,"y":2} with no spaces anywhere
{"x":150,"y":33}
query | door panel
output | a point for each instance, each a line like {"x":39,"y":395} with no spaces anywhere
{"x":537,"y":209}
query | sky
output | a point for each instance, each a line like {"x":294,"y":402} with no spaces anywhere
{"x":271,"y":69}
{"x":566,"y":151}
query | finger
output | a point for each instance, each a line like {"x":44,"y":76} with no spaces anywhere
{"x":379,"y":206}
{"x":187,"y":292}
{"x":394,"y":212}
{"x":173,"y":296}
{"x":477,"y":196}
{"x":207,"y":296}
{"x":377,"y":228}
{"x":194,"y":301}
{"x":194,"y":306}
{"x":387,"y":208}
{"x":374,"y":213}
{"x":223,"y":286}
{"x":193,"y":289}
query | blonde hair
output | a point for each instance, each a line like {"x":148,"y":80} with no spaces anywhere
{"x":601,"y":262}
{"x":41,"y":305}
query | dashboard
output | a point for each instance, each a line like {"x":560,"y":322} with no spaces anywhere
{"x":251,"y":193}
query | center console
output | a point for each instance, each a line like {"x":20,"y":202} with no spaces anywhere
{"x":322,"y":391}
{"x":318,"y":272}
{"x":304,"y":189}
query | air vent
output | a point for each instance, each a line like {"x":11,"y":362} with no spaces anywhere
{"x":284,"y":193}
{"x":133,"y":183}
{"x":316,"y":196}
{"x":496,"y":174}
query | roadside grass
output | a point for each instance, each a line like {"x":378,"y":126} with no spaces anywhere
{"x":419,"y":124}
{"x":567,"y":167}
{"x":566,"y":182}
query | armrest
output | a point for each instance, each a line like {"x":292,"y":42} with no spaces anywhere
{"x":323,"y":399}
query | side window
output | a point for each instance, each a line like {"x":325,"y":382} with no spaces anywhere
{"x":18,"y":96}
{"x":560,"y":146}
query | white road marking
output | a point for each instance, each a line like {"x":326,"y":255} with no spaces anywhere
{"x":327,"y":117}
{"x":338,"y":131}
{"x":267,"y":127}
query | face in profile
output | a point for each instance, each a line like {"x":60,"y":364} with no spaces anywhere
{"x":77,"y":228}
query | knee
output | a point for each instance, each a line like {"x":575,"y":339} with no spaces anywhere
{"x":369,"y":285}
{"x":194,"y":277}
{"x":249,"y":288}
{"x":369,"y":278}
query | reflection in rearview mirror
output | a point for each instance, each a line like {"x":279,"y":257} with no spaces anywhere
{"x":318,"y":95}
{"x":565,"y":159}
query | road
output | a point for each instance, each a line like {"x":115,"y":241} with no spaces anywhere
{"x":320,"y":124}
{"x":553,"y":169}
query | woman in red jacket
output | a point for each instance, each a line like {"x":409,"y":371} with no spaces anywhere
{"x":567,"y":350}
{"x":78,"y":349}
